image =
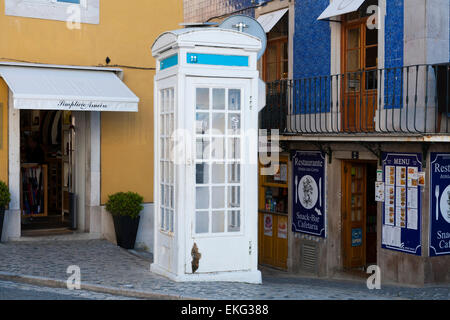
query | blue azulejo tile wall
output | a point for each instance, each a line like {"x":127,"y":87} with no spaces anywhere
{"x":394,"y":33}
{"x":312,"y":39}
{"x":394,"y":53}
{"x":312,"y":58}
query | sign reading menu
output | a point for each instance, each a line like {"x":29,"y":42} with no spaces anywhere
{"x":440,"y":204}
{"x":309,"y":193}
{"x":402,"y":202}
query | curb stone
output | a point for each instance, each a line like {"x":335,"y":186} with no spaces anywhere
{"x":54,"y":283}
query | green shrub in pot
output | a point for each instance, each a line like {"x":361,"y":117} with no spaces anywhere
{"x":5,"y":196}
{"x":5,"y":199}
{"x":125,"y":208}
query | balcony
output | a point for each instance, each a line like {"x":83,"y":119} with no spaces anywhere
{"x":403,"y":101}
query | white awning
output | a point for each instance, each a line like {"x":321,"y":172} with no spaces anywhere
{"x":45,"y":87}
{"x":339,"y":7}
{"x":269,"y":20}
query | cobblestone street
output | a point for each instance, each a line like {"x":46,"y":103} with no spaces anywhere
{"x":105,"y":265}
{"x":19,"y":291}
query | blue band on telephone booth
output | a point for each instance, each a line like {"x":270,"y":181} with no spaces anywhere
{"x":217,"y":60}
{"x":169,"y":62}
{"x":309,"y":207}
{"x":440,"y":204}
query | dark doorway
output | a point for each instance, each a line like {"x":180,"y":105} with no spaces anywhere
{"x":44,"y":174}
{"x":359,"y":214}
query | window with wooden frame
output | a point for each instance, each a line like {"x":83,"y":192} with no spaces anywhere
{"x":275,"y":59}
{"x":359,"y":63}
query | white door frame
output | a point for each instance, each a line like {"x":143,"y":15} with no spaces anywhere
{"x":87,"y":170}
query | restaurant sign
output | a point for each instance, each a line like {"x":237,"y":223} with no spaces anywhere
{"x":309,"y":209}
{"x":440,"y":204}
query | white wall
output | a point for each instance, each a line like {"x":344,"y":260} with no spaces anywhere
{"x":11,"y":225}
{"x":145,"y":235}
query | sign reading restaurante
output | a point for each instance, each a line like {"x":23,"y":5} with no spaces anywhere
{"x":309,"y":193}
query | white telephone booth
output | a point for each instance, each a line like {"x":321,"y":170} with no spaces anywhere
{"x":206,"y":121}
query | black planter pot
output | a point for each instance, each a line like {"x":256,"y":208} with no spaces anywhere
{"x":2,"y":218}
{"x":126,"y":230}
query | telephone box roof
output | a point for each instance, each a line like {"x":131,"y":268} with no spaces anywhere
{"x":212,"y":37}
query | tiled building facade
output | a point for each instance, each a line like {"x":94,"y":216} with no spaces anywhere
{"x":204,"y":10}
{"x":387,"y":100}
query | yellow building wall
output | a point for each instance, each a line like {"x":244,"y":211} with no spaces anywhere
{"x":125,"y":34}
{"x":3,"y":131}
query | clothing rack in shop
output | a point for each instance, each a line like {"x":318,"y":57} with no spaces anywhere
{"x":33,"y":187}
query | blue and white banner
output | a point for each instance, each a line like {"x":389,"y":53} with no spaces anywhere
{"x":440,"y":204}
{"x":309,"y":208}
{"x":402,"y":203}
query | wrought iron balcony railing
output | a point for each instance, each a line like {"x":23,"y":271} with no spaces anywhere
{"x":404,"y":100}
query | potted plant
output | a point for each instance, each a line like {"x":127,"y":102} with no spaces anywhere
{"x":5,"y":198}
{"x":125,"y":208}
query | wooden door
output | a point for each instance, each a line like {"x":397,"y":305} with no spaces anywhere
{"x":354,"y":186}
{"x":275,"y":60}
{"x":359,"y":69}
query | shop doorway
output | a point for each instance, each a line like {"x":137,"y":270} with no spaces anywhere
{"x":359,"y":214}
{"x":273,"y":217}
{"x":46,"y":171}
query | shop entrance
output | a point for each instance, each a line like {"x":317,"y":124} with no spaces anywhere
{"x":46,"y":171}
{"x":273,"y":217}
{"x":359,"y":214}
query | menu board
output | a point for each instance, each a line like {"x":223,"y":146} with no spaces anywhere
{"x":401,"y":208}
{"x":440,"y":204}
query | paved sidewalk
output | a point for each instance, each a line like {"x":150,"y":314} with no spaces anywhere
{"x":110,"y":269}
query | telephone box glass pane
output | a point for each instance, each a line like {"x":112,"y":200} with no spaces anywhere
{"x":202,"y":148}
{"x":202,"y":123}
{"x":202,"y":99}
{"x":234,"y":99}
{"x":234,"y":173}
{"x":218,"y":221}
{"x":234,"y":124}
{"x":218,"y":197}
{"x":219,"y":99}
{"x":234,"y":149}
{"x":218,"y":123}
{"x":202,"y":173}
{"x":218,"y":148}
{"x":218,"y":173}
{"x":202,"y":222}
{"x":234,"y":221}
{"x":202,"y":198}
{"x":234,"y":197}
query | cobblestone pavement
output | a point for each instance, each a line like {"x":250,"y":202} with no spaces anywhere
{"x":104,"y":264}
{"x":19,"y":291}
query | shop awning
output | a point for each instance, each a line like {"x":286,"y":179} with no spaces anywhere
{"x":269,"y":20}
{"x":339,"y":7}
{"x":45,"y":87}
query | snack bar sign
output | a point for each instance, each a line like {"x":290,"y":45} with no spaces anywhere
{"x":402,"y":202}
{"x":440,"y":204}
{"x":309,"y":207}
